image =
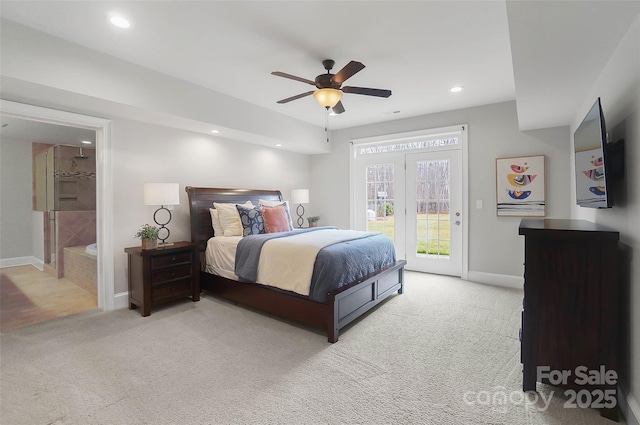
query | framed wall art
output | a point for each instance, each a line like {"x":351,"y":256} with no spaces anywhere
{"x":520,"y":186}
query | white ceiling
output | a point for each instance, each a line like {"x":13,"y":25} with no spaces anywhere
{"x":18,"y":129}
{"x":545,"y":55}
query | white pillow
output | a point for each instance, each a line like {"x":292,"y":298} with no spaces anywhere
{"x":266,"y":203}
{"x":215,"y":222}
{"x":230,"y":218}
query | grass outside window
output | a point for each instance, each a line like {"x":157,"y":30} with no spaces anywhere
{"x":433,"y":232}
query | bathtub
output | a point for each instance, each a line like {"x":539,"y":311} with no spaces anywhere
{"x":79,"y":266}
{"x":92,"y":249}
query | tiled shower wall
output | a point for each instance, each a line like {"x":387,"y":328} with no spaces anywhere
{"x":75,"y":175}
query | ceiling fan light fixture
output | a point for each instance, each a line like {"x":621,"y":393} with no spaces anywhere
{"x":328,"y":98}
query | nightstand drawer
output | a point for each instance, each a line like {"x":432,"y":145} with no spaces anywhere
{"x":176,"y":289}
{"x":162,"y":261}
{"x":170,"y":274}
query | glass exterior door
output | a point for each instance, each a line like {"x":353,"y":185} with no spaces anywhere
{"x":379,"y":197}
{"x":434,"y":220}
{"x":410,"y":187}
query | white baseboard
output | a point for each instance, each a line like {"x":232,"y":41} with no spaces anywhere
{"x":629,"y":407}
{"x":121,"y":300}
{"x":496,"y":279}
{"x":22,"y":261}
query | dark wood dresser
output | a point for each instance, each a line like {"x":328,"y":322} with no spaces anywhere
{"x":570,"y":317}
{"x":162,"y":274}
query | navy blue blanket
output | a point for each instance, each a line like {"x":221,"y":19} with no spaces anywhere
{"x":336,"y":265}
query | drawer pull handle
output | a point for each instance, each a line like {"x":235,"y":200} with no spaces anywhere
{"x":173,"y":259}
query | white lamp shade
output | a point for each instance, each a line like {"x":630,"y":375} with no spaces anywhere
{"x":300,"y":196}
{"x":161,"y":194}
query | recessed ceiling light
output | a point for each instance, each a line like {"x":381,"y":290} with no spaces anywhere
{"x":215,"y":131}
{"x":456,"y":89}
{"x":278,"y":145}
{"x":86,"y":142}
{"x":119,"y":21}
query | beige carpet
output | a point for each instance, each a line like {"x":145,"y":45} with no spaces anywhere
{"x":444,"y":352}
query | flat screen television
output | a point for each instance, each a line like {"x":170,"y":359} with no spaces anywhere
{"x":592,"y":176}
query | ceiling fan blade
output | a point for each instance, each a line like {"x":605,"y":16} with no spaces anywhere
{"x":339,"y":108}
{"x":347,"y":72}
{"x":298,"y":96}
{"x":367,"y":91}
{"x":293,"y":77}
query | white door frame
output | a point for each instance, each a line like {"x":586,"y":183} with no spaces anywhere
{"x":353,"y":146}
{"x":104,"y":184}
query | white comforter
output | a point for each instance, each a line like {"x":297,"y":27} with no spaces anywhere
{"x":285,"y":263}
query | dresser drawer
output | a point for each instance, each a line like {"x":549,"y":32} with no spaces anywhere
{"x":162,"y":261}
{"x":170,"y":290}
{"x":170,"y":274}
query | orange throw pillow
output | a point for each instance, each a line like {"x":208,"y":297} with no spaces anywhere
{"x":275,"y":219}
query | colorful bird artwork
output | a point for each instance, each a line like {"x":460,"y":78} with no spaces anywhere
{"x":520,"y":183}
{"x":597,"y":162}
{"x":597,"y":190}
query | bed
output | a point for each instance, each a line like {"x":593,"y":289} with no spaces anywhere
{"x":336,"y":309}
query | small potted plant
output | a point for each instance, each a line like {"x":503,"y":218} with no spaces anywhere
{"x":149,"y":236}
{"x":313,"y":221}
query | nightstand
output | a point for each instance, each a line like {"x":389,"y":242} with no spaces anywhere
{"x":162,"y":274}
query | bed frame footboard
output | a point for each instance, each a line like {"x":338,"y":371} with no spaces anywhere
{"x":342,"y":307}
{"x":357,"y":298}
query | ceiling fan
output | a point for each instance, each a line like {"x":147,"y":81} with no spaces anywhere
{"x":329,"y":86}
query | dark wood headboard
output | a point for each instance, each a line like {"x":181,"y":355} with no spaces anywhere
{"x":202,"y":198}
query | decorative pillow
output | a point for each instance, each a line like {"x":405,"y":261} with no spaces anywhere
{"x":215,"y":222}
{"x":229,"y":218}
{"x":275,"y":219}
{"x":285,"y":204}
{"x":251,"y":220}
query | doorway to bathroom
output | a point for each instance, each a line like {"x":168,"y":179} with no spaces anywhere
{"x":104,"y":187}
{"x":48,"y":257}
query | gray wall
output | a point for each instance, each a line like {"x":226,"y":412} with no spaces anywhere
{"x":16,"y":202}
{"x":494,"y":245}
{"x":147,"y":153}
{"x":619,"y":89}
